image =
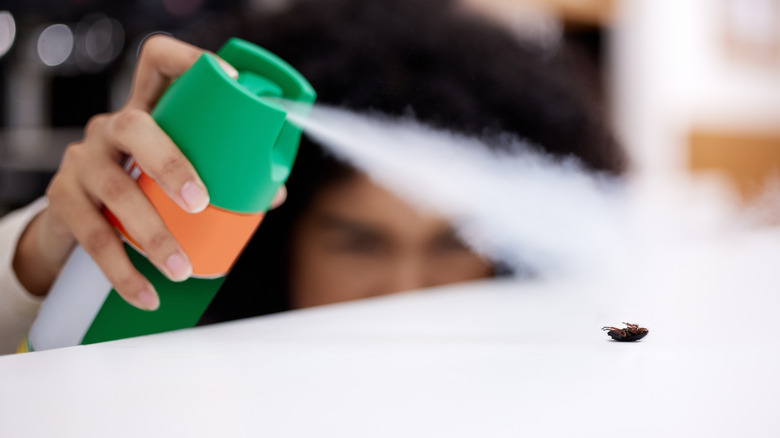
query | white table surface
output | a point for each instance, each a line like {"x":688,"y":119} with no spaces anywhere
{"x":487,"y":359}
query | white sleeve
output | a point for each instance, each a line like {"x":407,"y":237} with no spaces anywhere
{"x":18,"y":307}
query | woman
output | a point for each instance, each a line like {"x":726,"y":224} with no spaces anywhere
{"x":449,"y":69}
{"x":338,"y":236}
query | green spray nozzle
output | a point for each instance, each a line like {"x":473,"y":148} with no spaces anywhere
{"x":259,"y":85}
{"x":241,"y":144}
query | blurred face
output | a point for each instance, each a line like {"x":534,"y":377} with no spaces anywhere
{"x":357,"y":240}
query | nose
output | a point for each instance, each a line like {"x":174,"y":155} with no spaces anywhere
{"x":405,"y":274}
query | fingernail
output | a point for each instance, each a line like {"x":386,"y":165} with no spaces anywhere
{"x":178,"y":267}
{"x":280,"y":197}
{"x":195,"y":197}
{"x":229,"y":69}
{"x":148,"y":299}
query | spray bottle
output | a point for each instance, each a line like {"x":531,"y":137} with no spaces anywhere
{"x":242,"y":147}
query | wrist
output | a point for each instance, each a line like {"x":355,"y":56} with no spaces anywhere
{"x":32,"y":262}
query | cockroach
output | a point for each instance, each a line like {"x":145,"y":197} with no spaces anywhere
{"x":629,"y":334}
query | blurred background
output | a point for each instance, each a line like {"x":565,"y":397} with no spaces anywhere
{"x":693,"y":87}
{"x":62,"y":61}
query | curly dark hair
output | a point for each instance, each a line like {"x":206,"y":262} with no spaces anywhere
{"x":426,"y":59}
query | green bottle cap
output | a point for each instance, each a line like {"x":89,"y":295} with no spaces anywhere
{"x":240,"y":144}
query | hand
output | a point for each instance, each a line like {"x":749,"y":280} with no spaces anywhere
{"x":91,"y":176}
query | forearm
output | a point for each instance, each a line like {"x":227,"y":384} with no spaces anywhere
{"x":38,"y":259}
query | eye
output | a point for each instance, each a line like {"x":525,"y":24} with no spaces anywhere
{"x":360,"y":244}
{"x":357,"y":243}
{"x":353,"y":237}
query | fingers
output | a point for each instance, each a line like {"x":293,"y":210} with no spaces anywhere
{"x":162,"y":60}
{"x":90,"y":176}
{"x":135,"y":133}
{"x":121,"y":195}
{"x":71,"y":206}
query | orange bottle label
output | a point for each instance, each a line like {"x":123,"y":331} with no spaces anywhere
{"x":213,"y":238}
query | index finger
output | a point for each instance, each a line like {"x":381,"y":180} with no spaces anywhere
{"x":162,"y":60}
